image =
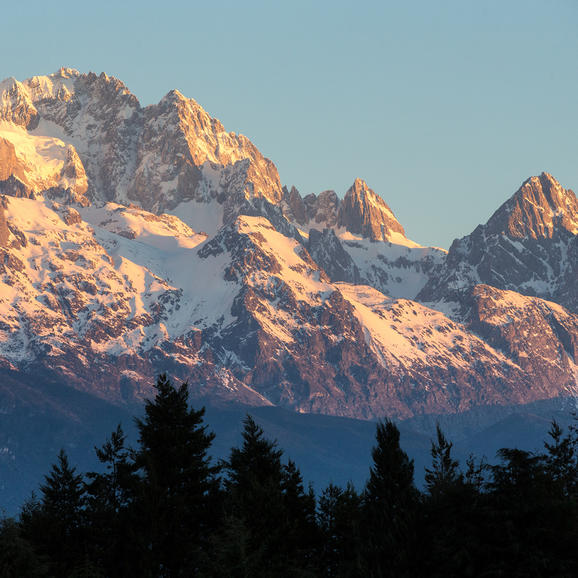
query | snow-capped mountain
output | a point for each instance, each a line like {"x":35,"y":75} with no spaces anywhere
{"x":529,"y":245}
{"x":138,"y":240}
{"x":359,"y":240}
{"x":157,"y":157}
{"x":104,"y":297}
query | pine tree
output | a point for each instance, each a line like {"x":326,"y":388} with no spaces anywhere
{"x":177,"y":480}
{"x":269,"y":527}
{"x":444,"y":474}
{"x":528,"y":527}
{"x":562,"y":460}
{"x":391,"y":500}
{"x":300,"y":524}
{"x":56,"y":524}
{"x":110,"y":508}
{"x":340,"y":521}
{"x":449,"y":513}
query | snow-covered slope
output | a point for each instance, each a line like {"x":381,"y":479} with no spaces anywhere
{"x":103,"y":308}
{"x":359,"y":240}
{"x":139,"y":240}
{"x":40,"y":162}
{"x":106,"y":297}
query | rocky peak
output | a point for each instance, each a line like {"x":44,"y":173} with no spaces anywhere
{"x":529,"y":245}
{"x":322,"y":209}
{"x":365,"y":213}
{"x":106,"y":87}
{"x":156,"y":157}
{"x":537,"y":209}
{"x":62,"y":86}
{"x":64,"y":72}
{"x":208,"y":141}
{"x":16,"y":106}
{"x":295,"y":205}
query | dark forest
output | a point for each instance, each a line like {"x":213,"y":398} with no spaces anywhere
{"x":165,"y":508}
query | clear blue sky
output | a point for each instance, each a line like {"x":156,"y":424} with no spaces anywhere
{"x":444,"y":107}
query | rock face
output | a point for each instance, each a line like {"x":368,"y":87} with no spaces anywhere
{"x":139,"y":240}
{"x":322,"y":209}
{"x":157,"y":157}
{"x":364,"y":213}
{"x":328,"y":252}
{"x":541,"y":337}
{"x":540,"y":209}
{"x":9,"y":164}
{"x":529,"y":245}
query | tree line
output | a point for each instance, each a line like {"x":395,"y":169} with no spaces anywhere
{"x":166,"y":509}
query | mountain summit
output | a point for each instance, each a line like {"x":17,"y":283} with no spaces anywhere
{"x":167,"y":157}
{"x":365,"y":213}
{"x":137,"y":240}
{"x":529,"y":245}
{"x":540,"y":208}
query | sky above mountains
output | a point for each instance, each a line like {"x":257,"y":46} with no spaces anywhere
{"x":444,"y":108}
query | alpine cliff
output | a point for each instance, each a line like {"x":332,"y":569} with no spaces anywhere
{"x":138,"y":240}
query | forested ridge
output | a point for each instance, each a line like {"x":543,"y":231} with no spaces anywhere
{"x":165,"y":508}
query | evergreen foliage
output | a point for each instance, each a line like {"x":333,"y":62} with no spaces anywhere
{"x":176,"y":479}
{"x":341,"y":522}
{"x":111,"y":498}
{"x":444,"y":474}
{"x":269,"y":525}
{"x":562,"y":460}
{"x":390,"y":504}
{"x":161,"y":510}
{"x":56,"y":523}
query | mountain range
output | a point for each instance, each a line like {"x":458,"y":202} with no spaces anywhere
{"x":139,"y":240}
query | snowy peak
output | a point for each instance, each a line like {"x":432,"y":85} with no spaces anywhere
{"x":207,"y":141}
{"x":529,"y":245}
{"x":16,"y":105}
{"x":63,"y":86}
{"x":363,"y":212}
{"x":539,"y":207}
{"x":157,"y":157}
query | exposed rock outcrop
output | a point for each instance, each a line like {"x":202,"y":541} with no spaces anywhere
{"x":529,"y":245}
{"x":365,"y":213}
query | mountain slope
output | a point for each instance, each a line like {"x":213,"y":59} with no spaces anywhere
{"x":529,"y":245}
{"x":173,"y":157}
{"x":107,"y":297}
{"x":139,"y":240}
